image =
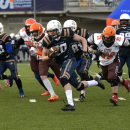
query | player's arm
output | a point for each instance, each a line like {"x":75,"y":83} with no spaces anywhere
{"x":8,"y":47}
{"x":45,"y":54}
{"x":82,"y":40}
{"x":18,"y":43}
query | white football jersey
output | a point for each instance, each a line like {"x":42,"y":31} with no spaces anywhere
{"x":109,"y":53}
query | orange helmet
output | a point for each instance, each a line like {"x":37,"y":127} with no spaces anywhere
{"x":28,"y":23}
{"x":108,"y":34}
{"x":36,"y":27}
{"x":114,"y":23}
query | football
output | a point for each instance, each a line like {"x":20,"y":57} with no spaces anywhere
{"x":54,"y":48}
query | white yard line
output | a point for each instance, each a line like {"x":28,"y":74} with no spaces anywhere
{"x":32,"y":100}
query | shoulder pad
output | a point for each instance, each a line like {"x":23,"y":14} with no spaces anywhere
{"x":6,"y":38}
{"x":67,"y":32}
{"x":47,"y":40}
{"x":119,"y":39}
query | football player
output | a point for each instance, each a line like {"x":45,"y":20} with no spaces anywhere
{"x":25,"y":39}
{"x":83,"y":65}
{"x":7,"y":60}
{"x":37,"y":34}
{"x":108,"y":44}
{"x":124,"y":52}
{"x":62,"y":38}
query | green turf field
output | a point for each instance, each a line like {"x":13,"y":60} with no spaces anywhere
{"x":95,"y":113}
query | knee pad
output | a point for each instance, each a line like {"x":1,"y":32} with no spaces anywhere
{"x":37,"y":76}
{"x":63,"y":81}
{"x":114,"y":82}
{"x":81,"y":87}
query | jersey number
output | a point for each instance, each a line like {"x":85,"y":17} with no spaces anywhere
{"x":108,"y":56}
{"x":75,"y":47}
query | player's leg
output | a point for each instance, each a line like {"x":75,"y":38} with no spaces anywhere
{"x":128,"y":64}
{"x":82,"y":70}
{"x":11,"y":64}
{"x":34,"y":63}
{"x":122,"y":62}
{"x":67,"y":70}
{"x":112,"y":77}
{"x":43,"y":69}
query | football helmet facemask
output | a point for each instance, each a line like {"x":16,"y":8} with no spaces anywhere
{"x":108,"y":34}
{"x":124,"y":20}
{"x":114,"y":23}
{"x":28,"y":23}
{"x":36,"y":30}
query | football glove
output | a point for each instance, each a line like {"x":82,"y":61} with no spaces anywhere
{"x":99,"y":53}
{"x":52,"y":55}
{"x":33,"y":51}
{"x":98,"y":63}
{"x":86,"y":55}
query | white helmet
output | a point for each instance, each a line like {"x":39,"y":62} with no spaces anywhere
{"x":17,"y":36}
{"x":124,"y":17}
{"x":1,"y":29}
{"x":12,"y":35}
{"x":54,"y":25}
{"x":70,"y":24}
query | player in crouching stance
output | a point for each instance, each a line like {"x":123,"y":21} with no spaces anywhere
{"x":61,"y":38}
{"x":108,"y":44}
{"x":7,"y":60}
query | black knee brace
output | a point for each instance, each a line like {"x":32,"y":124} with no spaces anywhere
{"x":118,"y":80}
{"x":81,"y":87}
{"x":114,"y":82}
{"x":63,"y":81}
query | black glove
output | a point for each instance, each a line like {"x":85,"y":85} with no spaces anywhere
{"x":4,"y":53}
{"x":98,"y":63}
{"x":99,"y":53}
{"x":86,"y":55}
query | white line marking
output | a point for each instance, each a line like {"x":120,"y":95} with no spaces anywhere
{"x":76,"y":99}
{"x":32,"y":100}
{"x":121,"y":98}
{"x":124,"y":73}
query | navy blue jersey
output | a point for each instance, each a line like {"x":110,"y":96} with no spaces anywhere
{"x":63,"y":43}
{"x":4,"y":39}
{"x":125,"y":31}
{"x":77,"y":46}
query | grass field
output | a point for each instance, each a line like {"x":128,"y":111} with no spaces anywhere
{"x":95,"y":113}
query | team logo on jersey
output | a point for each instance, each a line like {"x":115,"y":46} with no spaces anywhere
{"x":107,"y":50}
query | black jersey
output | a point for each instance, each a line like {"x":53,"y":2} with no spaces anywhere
{"x":63,"y":43}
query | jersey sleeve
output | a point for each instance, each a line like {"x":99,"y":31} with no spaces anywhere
{"x":46,"y":41}
{"x":83,"y":33}
{"x":91,"y":39}
{"x":67,"y":32}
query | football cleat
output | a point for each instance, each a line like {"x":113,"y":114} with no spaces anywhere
{"x":52,"y":98}
{"x":127,"y":85}
{"x":81,"y":97}
{"x":55,"y":79}
{"x":10,"y":81}
{"x":46,"y":93}
{"x":6,"y":83}
{"x":100,"y":84}
{"x":68,"y":107}
{"x":0,"y":87}
{"x":100,"y":73}
{"x":114,"y":100}
{"x":21,"y":93}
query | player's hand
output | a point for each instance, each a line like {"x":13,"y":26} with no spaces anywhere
{"x":99,"y":53}
{"x":86,"y":55}
{"x":52,"y":55}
